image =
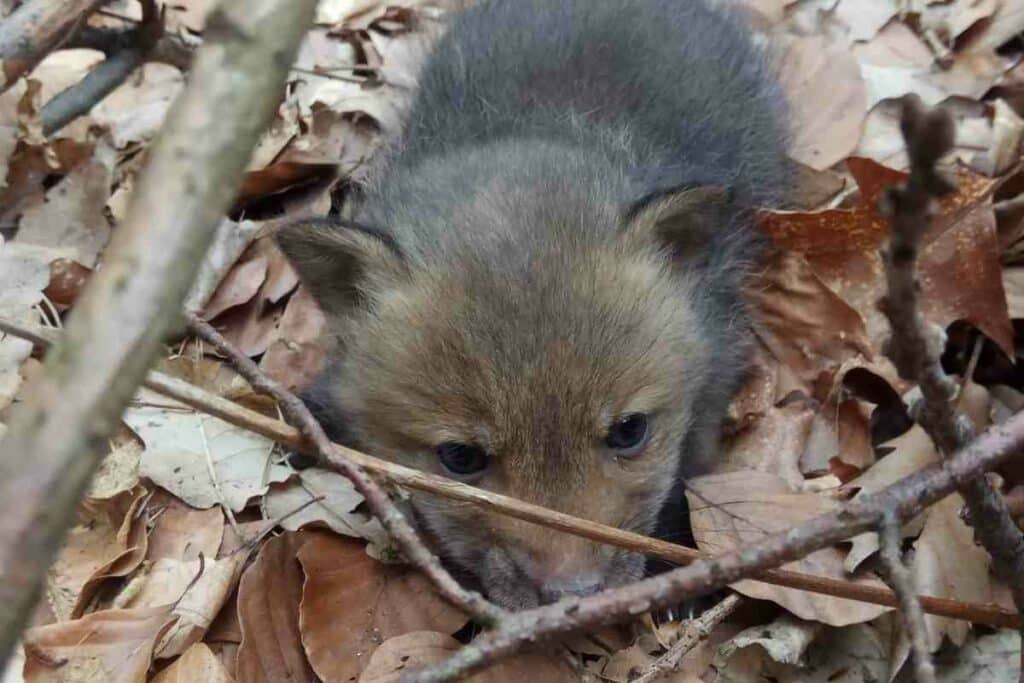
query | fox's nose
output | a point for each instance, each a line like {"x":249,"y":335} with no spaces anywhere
{"x":579,"y":585}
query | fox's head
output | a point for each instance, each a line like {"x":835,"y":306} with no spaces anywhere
{"x":569,"y":354}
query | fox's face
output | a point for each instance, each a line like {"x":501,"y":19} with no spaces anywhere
{"x":566,"y":373}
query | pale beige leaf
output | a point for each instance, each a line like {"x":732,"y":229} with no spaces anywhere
{"x":73,"y":213}
{"x":730,"y":511}
{"x":197,"y":664}
{"x":865,"y":18}
{"x":773,"y":444}
{"x":182,"y":446}
{"x":134,"y":112}
{"x":827,"y":98}
{"x":949,"y":564}
{"x":336,"y":510}
{"x":993,"y":657}
{"x":114,"y":646}
{"x":119,"y":469}
{"x":183,"y":533}
{"x":350,"y":603}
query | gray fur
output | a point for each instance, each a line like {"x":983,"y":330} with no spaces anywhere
{"x":546,"y":265}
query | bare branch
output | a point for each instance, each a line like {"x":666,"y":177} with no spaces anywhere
{"x":902,"y":582}
{"x":36,"y":28}
{"x":78,"y":99}
{"x":695,"y":631}
{"x":290,"y":437}
{"x":296,"y":412}
{"x":916,"y":346}
{"x":57,"y":435}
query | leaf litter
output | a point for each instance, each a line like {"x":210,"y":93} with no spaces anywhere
{"x":201,"y":554}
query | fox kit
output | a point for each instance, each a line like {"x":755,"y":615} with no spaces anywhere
{"x":539,"y":293}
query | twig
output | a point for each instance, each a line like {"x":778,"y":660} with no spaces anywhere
{"x":905,"y":498}
{"x":58,"y":434}
{"x":695,"y":631}
{"x":170,"y":48}
{"x":36,"y":28}
{"x":902,"y":582}
{"x":290,"y":437}
{"x":916,"y":346}
{"x":78,"y":99}
{"x":377,"y":500}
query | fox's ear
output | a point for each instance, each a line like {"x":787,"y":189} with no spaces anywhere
{"x":340,"y":261}
{"x":682,"y":220}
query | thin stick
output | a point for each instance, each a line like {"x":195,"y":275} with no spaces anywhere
{"x":902,"y":582}
{"x":376,"y":499}
{"x":916,"y":346}
{"x":695,"y":631}
{"x":58,"y":434}
{"x":289,"y":436}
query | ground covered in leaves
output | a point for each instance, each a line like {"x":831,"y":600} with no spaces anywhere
{"x":200,"y":554}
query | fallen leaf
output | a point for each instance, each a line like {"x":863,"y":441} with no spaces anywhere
{"x":269,"y":595}
{"x":994,"y":657}
{"x":298,"y":354}
{"x":336,"y":510}
{"x":114,"y":646}
{"x":202,"y":459}
{"x":108,"y":540}
{"x":239,"y":286}
{"x":351,"y":603}
{"x":865,"y":18}
{"x":773,"y":444}
{"x":73,"y":214}
{"x":198,"y":663}
{"x":231,"y":240}
{"x":417,"y":649}
{"x":183,"y":533}
{"x":135,"y":111}
{"x":828,"y":100}
{"x":730,"y":511}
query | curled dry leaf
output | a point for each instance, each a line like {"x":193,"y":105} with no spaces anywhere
{"x":197,"y":664}
{"x":417,"y":649}
{"x":114,"y":646}
{"x":108,"y":540}
{"x":182,"y":533}
{"x":231,"y":240}
{"x":729,"y":511}
{"x":268,"y":610}
{"x":201,"y":459}
{"x":351,"y":603}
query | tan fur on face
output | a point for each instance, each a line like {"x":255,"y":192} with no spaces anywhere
{"x":533,"y":363}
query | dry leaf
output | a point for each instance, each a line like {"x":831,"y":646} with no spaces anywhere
{"x":995,"y":657}
{"x":298,"y":354}
{"x":197,"y":664}
{"x":336,"y":509}
{"x":417,"y":649}
{"x":827,"y":101}
{"x":201,"y":459}
{"x":108,"y":540}
{"x":135,"y":111}
{"x":730,"y":511}
{"x":230,"y":241}
{"x":268,"y":610}
{"x":114,"y":646}
{"x":773,"y":444}
{"x":351,"y":603}
{"x":73,"y":215}
{"x":183,"y":533}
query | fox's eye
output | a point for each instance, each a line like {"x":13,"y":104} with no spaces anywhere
{"x":627,"y":434}
{"x":462,"y":459}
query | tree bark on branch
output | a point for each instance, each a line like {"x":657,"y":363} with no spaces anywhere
{"x":58,"y":434}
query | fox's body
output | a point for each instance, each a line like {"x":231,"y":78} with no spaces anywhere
{"x":545,"y":263}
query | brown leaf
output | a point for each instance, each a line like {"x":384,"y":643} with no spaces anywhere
{"x":268,"y":609}
{"x":773,"y":444}
{"x":183,"y":533}
{"x":298,"y":354}
{"x":109,"y":540}
{"x":67,"y":278}
{"x":351,"y":603}
{"x":960,"y":273}
{"x":417,"y":649}
{"x":730,"y":511}
{"x":114,"y":646}
{"x":197,"y":664}
{"x":828,"y":101}
{"x":239,"y":285}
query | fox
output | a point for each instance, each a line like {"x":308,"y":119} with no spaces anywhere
{"x":539,"y":292}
